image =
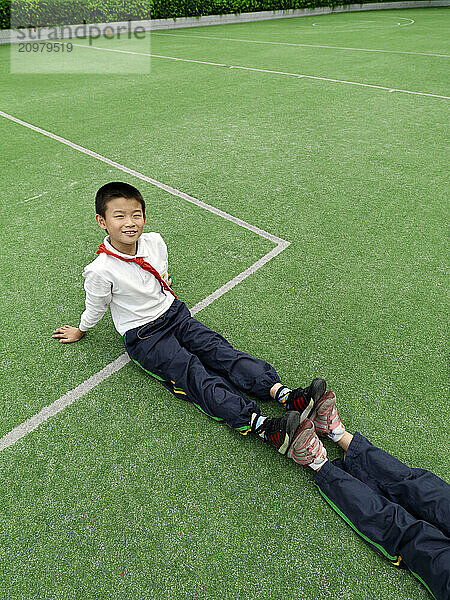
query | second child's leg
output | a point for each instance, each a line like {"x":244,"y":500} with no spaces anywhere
{"x":419,"y":491}
{"x":389,"y":528}
{"x":386,"y":526}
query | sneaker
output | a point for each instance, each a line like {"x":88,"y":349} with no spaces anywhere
{"x":304,"y":399}
{"x":307,"y":450}
{"x":293,"y":436}
{"x":325,"y":417}
{"x":280,"y":431}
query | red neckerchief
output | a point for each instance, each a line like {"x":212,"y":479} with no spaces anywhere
{"x":142,"y":263}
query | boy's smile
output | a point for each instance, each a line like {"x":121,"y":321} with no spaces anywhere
{"x":124,"y":221}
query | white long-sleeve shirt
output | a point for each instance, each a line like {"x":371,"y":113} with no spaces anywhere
{"x":133,"y":295}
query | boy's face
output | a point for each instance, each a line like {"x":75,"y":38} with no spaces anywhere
{"x":124,"y":221}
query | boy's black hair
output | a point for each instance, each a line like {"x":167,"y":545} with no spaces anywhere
{"x":116,"y":189}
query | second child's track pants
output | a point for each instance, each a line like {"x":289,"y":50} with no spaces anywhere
{"x":401,"y":512}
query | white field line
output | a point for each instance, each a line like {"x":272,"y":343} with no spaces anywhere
{"x":207,"y":37}
{"x":53,"y":409}
{"x":34,"y":197}
{"x":311,"y":45}
{"x":81,"y":390}
{"x":298,"y":75}
{"x":163,"y":186}
{"x":363,"y":22}
{"x":339,"y":28}
{"x":230,"y":284}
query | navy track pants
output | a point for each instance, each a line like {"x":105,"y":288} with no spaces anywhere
{"x":403,"y":513}
{"x":200,"y":366}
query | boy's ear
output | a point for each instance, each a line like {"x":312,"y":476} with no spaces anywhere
{"x":100,"y":221}
{"x":145,"y":216}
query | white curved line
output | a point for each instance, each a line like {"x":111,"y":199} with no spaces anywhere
{"x":361,"y":25}
{"x":411,"y":21}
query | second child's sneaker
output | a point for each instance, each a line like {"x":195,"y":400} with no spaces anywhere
{"x":326,"y":419}
{"x":295,"y":437}
{"x":308,"y":450}
{"x":304,"y":399}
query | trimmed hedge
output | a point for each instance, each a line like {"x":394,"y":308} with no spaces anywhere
{"x":66,"y":12}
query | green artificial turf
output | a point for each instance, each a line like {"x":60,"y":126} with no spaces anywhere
{"x":130,"y":493}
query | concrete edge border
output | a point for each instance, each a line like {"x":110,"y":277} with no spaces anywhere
{"x":10,"y":36}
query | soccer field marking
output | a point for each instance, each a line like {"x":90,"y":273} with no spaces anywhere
{"x":347,"y":48}
{"x":361,"y":25}
{"x":379,"y":87}
{"x":411,"y":21}
{"x":35,"y":197}
{"x":364,"y":21}
{"x":81,"y":390}
{"x":163,"y":186}
{"x":53,"y":409}
{"x":298,"y":75}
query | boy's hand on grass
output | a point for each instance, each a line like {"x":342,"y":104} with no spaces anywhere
{"x":169,"y":281}
{"x":68,"y":334}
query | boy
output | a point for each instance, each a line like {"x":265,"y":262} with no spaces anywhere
{"x":194,"y":363}
{"x":403,"y":513}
